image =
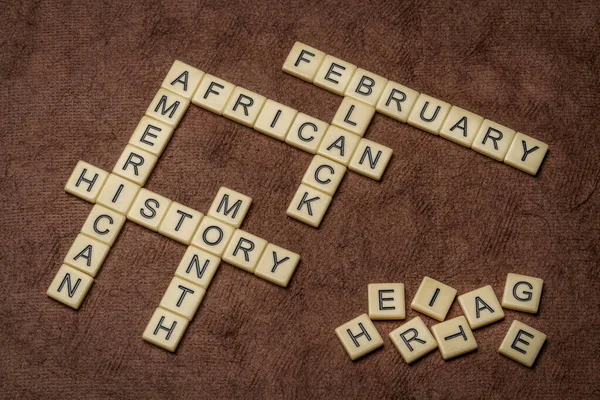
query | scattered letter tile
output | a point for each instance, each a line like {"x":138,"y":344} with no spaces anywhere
{"x":454,"y":337}
{"x":433,"y":299}
{"x":481,"y":307}
{"x":359,"y":336}
{"x":522,"y":343}
{"x":413,"y":340}
{"x":522,"y":293}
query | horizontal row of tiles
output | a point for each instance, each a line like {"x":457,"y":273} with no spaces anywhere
{"x":417,"y":109}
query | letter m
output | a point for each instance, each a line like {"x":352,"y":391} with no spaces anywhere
{"x":225,"y":206}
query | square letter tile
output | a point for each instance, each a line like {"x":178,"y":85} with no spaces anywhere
{"x":454,"y":337}
{"x":244,"y":106}
{"x":135,"y":164}
{"x":334,"y":75}
{"x":461,"y":126}
{"x":230,"y":206}
{"x":118,"y":194}
{"x":86,"y":181}
{"x":183,"y":298}
{"x":428,"y":113}
{"x":151,"y":135}
{"x":324,"y":174}
{"x":433,"y":299}
{"x":275,"y":120}
{"x":303,"y":61}
{"x":386,"y":301}
{"x":309,"y":206}
{"x":277,"y":265}
{"x":244,"y":250}
{"x":359,"y":336}
{"x":397,"y":101}
{"x":493,"y":140}
{"x":213,"y":93}
{"x":103,"y":224}
{"x":481,"y":307}
{"x":526,"y":153}
{"x":70,"y":286}
{"x":370,"y":159}
{"x":183,"y":79}
{"x":522,"y":293}
{"x":212,"y":235}
{"x":522,"y":343}
{"x":86,"y":254}
{"x":198,"y":266}
{"x":165,"y":329}
{"x":354,"y":116}
{"x":180,"y":223}
{"x":366,"y":86}
{"x":413,"y":340}
{"x":168,"y":107}
{"x":148,"y":209}
{"x":306,"y":133}
{"x":338,"y":145}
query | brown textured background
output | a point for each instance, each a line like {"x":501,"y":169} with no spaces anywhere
{"x":76,"y":78}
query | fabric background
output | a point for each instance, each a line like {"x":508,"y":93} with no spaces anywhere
{"x":78,"y":75}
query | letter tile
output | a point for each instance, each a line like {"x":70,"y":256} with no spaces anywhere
{"x":151,"y":135}
{"x":359,"y":336}
{"x":180,"y":223}
{"x":213,"y":93}
{"x":397,"y":101}
{"x":413,"y":340}
{"x":148,"y":209}
{"x":182,"y":79}
{"x":481,"y":307}
{"x":522,"y":343}
{"x":366,"y":86}
{"x":370,"y":159}
{"x":277,"y":265}
{"x":454,"y":337}
{"x":324,"y":175}
{"x":212,"y":235}
{"x":461,"y":126}
{"x":70,"y":286}
{"x":275,"y":120}
{"x":118,"y":194}
{"x":86,"y":181}
{"x":165,"y":329}
{"x":354,"y":116}
{"x":103,"y":224}
{"x":182,"y":298}
{"x":303,"y":61}
{"x":493,"y":140}
{"x":135,"y":164}
{"x":86,"y":254}
{"x":230,"y":206}
{"x":526,"y":154}
{"x":244,"y":250}
{"x":244,"y":106}
{"x":334,"y":75}
{"x":428,"y":113}
{"x":168,"y":107}
{"x":338,"y":145}
{"x":522,"y":293}
{"x":309,"y":205}
{"x":386,"y":301}
{"x":198,"y":266}
{"x":306,"y":133}
{"x":433,"y":299}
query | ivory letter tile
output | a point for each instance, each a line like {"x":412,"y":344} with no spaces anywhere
{"x":428,"y":113}
{"x":165,"y":329}
{"x":183,"y":298}
{"x":277,"y":265}
{"x":366,"y":86}
{"x":493,"y":140}
{"x":526,"y":154}
{"x":334,"y":75}
{"x":212,"y":235}
{"x":180,"y":223}
{"x":397,"y":101}
{"x":103,"y":224}
{"x":87,"y":254}
{"x":370,"y":159}
{"x":386,"y":301}
{"x":168,"y":107}
{"x":118,"y":194}
{"x":198,"y":266}
{"x":354,"y":116}
{"x":306,"y":133}
{"x":522,"y":293}
{"x":275,"y":120}
{"x":324,"y":174}
{"x":303,"y":61}
{"x":135,"y":164}
{"x":338,"y":145}
{"x":481,"y":307}
{"x":151,"y":135}
{"x":461,"y":126}
{"x":213,"y":93}
{"x":244,"y":250}
{"x":70,"y":286}
{"x":183,"y":79}
{"x":413,"y":340}
{"x":433,"y":299}
{"x":309,"y":206}
{"x":86,"y":181}
{"x":244,"y":106}
{"x":148,"y":209}
{"x":454,"y":337}
{"x":230,"y":206}
{"x":359,"y":336}
{"x":522,"y":343}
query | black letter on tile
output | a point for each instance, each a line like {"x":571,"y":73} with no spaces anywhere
{"x":362,"y":333}
{"x":397,"y":100}
{"x":148,"y":133}
{"x":98,"y":218}
{"x":277,"y":115}
{"x":342,"y":142}
{"x":161,"y":326}
{"x":163,"y":103}
{"x":195,"y":262}
{"x":382,"y":299}
{"x":117,"y":193}
{"x":407,"y":341}
{"x":67,"y":280}
{"x":367,"y":153}
{"x":135,"y":164}
{"x":329,"y":167}
{"x":529,"y":294}
{"x":462,"y":125}
{"x":301,"y":58}
{"x":277,"y":262}
{"x":210,"y":89}
{"x":332,"y":72}
{"x":437,"y":110}
{"x":461,"y":332}
{"x":225,"y":202}
{"x":246,"y":250}
{"x":184,"y":291}
{"x":85,"y":253}
{"x":238,"y":102}
{"x":183,"y":78}
{"x":435,"y":295}
{"x":307,"y":202}
{"x":519,"y":340}
{"x":184,"y":215}
{"x":205,"y":239}
{"x":90,"y":183}
{"x":303,"y":138}
{"x":488,"y":135}
{"x":368,"y":86}
{"x":481,"y":305}
{"x":526,"y":152}
{"x":347,"y":118}
{"x":148,"y":204}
